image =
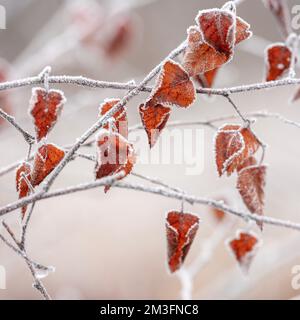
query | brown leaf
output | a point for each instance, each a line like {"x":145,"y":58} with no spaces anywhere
{"x":120,"y":123}
{"x":181,"y":231}
{"x":251,"y":183}
{"x":22,"y":186}
{"x":154,"y":119}
{"x":45,"y":107}
{"x":244,"y":247}
{"x":114,"y":154}
{"x":278,"y":59}
{"x":47,"y":157}
{"x":233,"y":145}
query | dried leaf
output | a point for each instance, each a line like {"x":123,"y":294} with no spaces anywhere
{"x":120,"y":123}
{"x":211,"y":43}
{"x":251,"y":161}
{"x":278,"y":61}
{"x":47,"y":157}
{"x":181,"y":231}
{"x":154,"y":119}
{"x":22,"y":186}
{"x":173,"y":88}
{"x":114,"y":154}
{"x":233,"y":145}
{"x":280,"y":10}
{"x":45,"y":108}
{"x":244,"y":247}
{"x":251,"y":183}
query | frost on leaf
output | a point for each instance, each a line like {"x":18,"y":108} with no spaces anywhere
{"x":47,"y":157}
{"x":114,"y":154}
{"x":244,"y":248}
{"x":45,"y":108}
{"x":250,"y":184}
{"x":173,"y":88}
{"x":23,"y":176}
{"x":233,"y":145}
{"x":280,"y":10}
{"x":154,"y":119}
{"x":211,"y":43}
{"x":119,"y":123}
{"x":278,"y":61}
{"x":181,"y":230}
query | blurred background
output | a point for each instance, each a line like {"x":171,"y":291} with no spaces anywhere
{"x":113,"y":246}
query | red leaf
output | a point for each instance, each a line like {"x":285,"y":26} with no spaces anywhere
{"x":280,"y":10}
{"x":181,"y":231}
{"x":211,"y":43}
{"x":278,"y":57}
{"x":115,"y":154}
{"x":199,"y":56}
{"x":173,"y":88}
{"x":47,"y":157}
{"x":251,"y":183}
{"x":218,"y":213}
{"x":154,"y":119}
{"x":233,"y":145}
{"x":45,"y":108}
{"x":22,"y":186}
{"x":244,"y":247}
{"x":120,"y":117}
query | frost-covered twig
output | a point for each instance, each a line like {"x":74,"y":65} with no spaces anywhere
{"x":163,"y":191}
{"x":27,"y":136}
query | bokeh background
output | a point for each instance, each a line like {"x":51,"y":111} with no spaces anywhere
{"x":113,"y":245}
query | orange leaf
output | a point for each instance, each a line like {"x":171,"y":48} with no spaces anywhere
{"x":120,"y":117}
{"x":45,"y":108}
{"x":211,"y":43}
{"x":251,"y":161}
{"x":181,"y":231}
{"x":154,"y":119}
{"x":22,"y":186}
{"x":47,"y":157}
{"x":251,"y":183}
{"x":233,"y":145}
{"x":244,"y":247}
{"x":115,"y":154}
{"x":278,"y":61}
{"x":173,"y":87}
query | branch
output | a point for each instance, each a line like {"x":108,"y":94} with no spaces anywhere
{"x":27,"y":136}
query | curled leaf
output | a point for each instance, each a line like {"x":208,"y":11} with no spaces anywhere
{"x":45,"y":108}
{"x":47,"y":157}
{"x":233,"y":145}
{"x":119,"y":121}
{"x":114,"y":154}
{"x":250,"y":184}
{"x":23,"y":176}
{"x":278,"y":61}
{"x":244,"y":248}
{"x":181,"y":230}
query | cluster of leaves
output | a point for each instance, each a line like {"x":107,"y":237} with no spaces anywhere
{"x":210,"y":45}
